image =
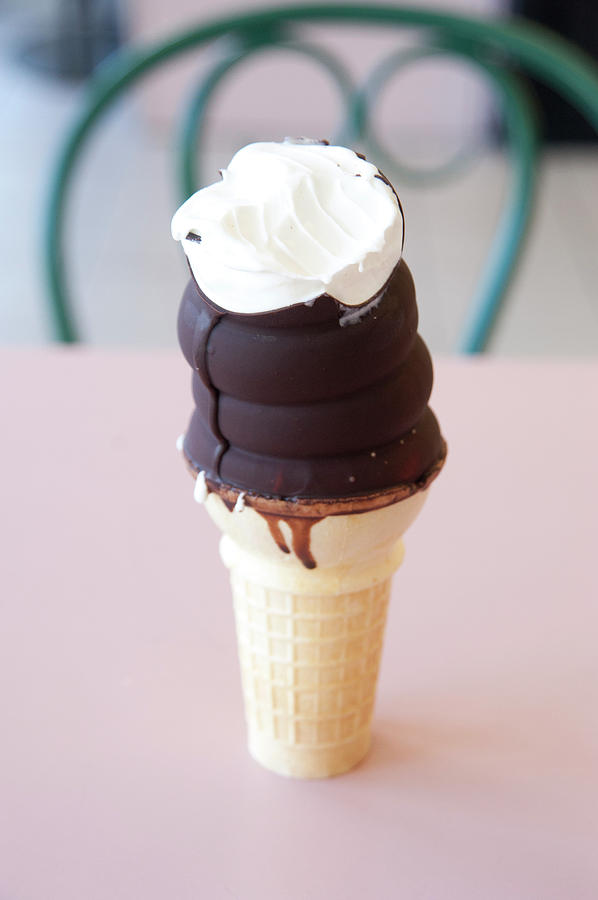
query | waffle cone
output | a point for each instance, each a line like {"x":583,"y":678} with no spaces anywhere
{"x":310,"y":638}
{"x":309,"y":668}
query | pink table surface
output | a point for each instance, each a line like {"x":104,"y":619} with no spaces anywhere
{"x":123,"y":771}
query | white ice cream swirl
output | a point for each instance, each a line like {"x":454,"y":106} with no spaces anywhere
{"x":290,"y":221}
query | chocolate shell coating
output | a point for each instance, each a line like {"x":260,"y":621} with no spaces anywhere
{"x":298,"y":404}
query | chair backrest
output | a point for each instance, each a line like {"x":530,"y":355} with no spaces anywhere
{"x":500,"y":50}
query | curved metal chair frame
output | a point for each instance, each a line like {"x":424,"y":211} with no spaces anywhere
{"x":497,"y":49}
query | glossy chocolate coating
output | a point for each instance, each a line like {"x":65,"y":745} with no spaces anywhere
{"x":295,"y":404}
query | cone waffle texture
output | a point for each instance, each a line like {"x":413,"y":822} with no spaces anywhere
{"x":309,"y":667}
{"x":310,"y":640}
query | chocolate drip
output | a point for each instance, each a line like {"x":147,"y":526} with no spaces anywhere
{"x":301,"y":516}
{"x":301,"y":531}
{"x":301,"y":535}
{"x":273,"y":523}
{"x":230,"y":504}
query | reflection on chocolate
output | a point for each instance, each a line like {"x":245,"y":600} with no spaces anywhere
{"x":294,"y":404}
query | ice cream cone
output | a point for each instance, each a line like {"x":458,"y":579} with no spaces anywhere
{"x":312,"y":442}
{"x":310,"y":641}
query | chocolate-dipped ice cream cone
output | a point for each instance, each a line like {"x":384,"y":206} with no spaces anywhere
{"x":312,"y":444}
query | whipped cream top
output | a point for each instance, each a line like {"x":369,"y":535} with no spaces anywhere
{"x":290,"y":221}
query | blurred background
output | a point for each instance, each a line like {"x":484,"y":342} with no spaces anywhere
{"x":125,"y":272}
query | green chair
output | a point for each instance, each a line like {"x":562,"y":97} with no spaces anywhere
{"x":501,"y":50}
